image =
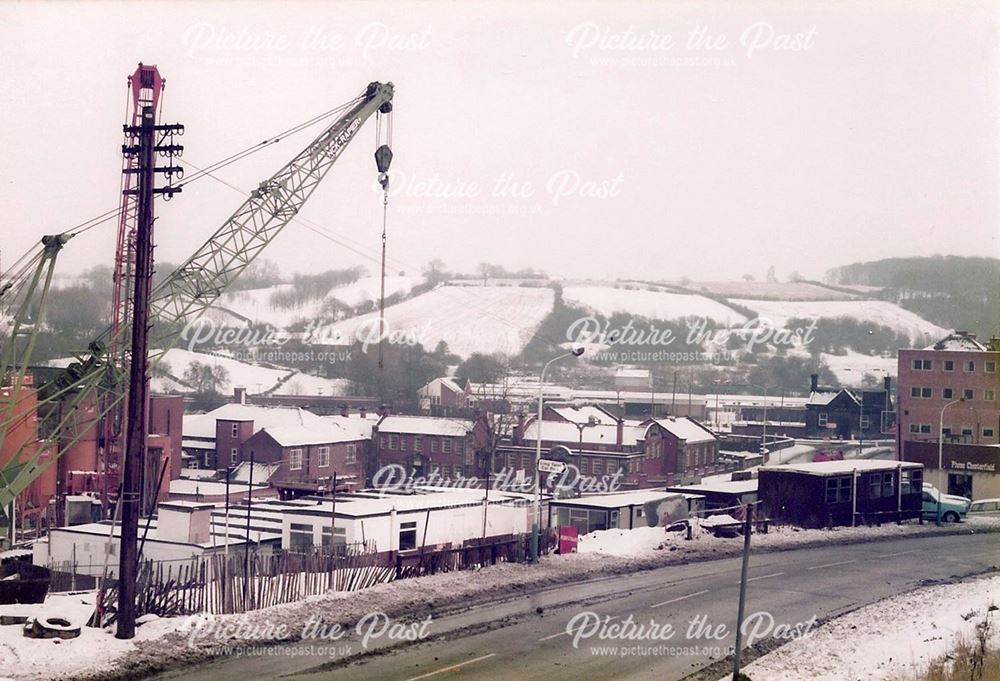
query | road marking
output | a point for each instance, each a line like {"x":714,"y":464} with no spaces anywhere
{"x":754,"y":579}
{"x":454,"y":666}
{"x":682,"y":598}
{"x":564,"y":633}
{"x":893,"y":555}
{"x":828,"y":565}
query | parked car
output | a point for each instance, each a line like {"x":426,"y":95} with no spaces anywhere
{"x":985,"y":507}
{"x":953,"y":508}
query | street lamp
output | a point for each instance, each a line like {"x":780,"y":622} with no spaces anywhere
{"x":940,"y":493}
{"x":576,"y":352}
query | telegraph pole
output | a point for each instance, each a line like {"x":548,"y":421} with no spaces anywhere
{"x":134,"y":461}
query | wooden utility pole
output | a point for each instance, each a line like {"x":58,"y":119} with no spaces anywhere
{"x":134,"y":461}
{"x":748,"y":524}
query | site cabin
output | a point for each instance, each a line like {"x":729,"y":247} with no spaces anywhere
{"x":723,"y":493}
{"x":624,"y":510}
{"x":831,"y":493}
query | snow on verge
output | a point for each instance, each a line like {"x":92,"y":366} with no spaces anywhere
{"x":894,"y":638}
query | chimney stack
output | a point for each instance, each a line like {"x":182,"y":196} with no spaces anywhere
{"x":343,"y":411}
{"x":887,"y":383}
{"x":620,"y":432}
{"x":813,"y":382}
{"x":384,"y":410}
{"x":364,"y":411}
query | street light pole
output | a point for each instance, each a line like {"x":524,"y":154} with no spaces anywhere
{"x":940,"y":493}
{"x":538,"y":452}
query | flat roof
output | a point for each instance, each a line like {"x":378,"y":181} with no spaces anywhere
{"x":844,"y":466}
{"x":618,"y":499}
{"x":720,"y":486}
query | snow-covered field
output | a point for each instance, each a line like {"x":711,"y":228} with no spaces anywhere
{"x":257,"y":305}
{"x":485,"y":319}
{"x":606,"y":300}
{"x":850,"y":368}
{"x":871,"y":311}
{"x":254,"y":378}
{"x":892,"y":639}
{"x":769,"y":290}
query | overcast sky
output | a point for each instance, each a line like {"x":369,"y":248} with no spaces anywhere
{"x":602,"y":140}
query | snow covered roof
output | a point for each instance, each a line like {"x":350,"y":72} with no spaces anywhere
{"x":197,"y":444}
{"x":632,"y":373}
{"x":198,"y":473}
{"x":583,"y":413}
{"x":370,"y":502}
{"x":602,"y":433}
{"x":686,"y":429}
{"x":292,"y":436}
{"x":959,"y":340}
{"x":720,"y":486}
{"x":617,"y":499}
{"x":361,"y":427}
{"x":203,"y":425}
{"x":207,"y":487}
{"x":425,"y":425}
{"x":844,"y":466}
{"x":262,"y":472}
{"x":821,"y":398}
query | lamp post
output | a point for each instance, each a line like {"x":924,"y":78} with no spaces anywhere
{"x":940,"y":491}
{"x":576,"y":352}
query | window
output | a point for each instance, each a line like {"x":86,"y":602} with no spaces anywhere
{"x":208,"y":459}
{"x":295,"y":459}
{"x":949,"y":365}
{"x":923,"y":364}
{"x":990,"y":367}
{"x":875,"y":485}
{"x":946,"y":430}
{"x":446,"y":446}
{"x":988,"y":432}
{"x":236,"y":430}
{"x":459,"y":446}
{"x":947,"y":393}
{"x":989,"y":394}
{"x":914,"y":427}
{"x":967,"y":430}
{"x":968,"y":394}
{"x":408,"y":536}
{"x":468,"y":458}
{"x":324,"y":457}
{"x":434,"y":445}
{"x":193,"y":464}
{"x":383,"y":442}
{"x":838,"y":490}
{"x":888,"y":485}
{"x":823,"y":418}
{"x":418,"y":444}
{"x":393,"y":442}
{"x":969,"y":366}
{"x":910,"y":482}
{"x":585,"y":466}
{"x":402,"y":444}
{"x":922,"y":393}
{"x":300,"y":537}
{"x":866,"y":422}
{"x":234,"y":456}
{"x":351,"y":456}
{"x":339,"y":535}
{"x":444,"y":471}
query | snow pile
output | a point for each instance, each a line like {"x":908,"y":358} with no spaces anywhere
{"x":28,"y":659}
{"x":890,"y":639}
{"x":606,"y":300}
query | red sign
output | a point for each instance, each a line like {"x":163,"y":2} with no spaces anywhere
{"x":568,"y":537}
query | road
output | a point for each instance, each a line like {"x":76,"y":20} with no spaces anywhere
{"x":525,"y":638}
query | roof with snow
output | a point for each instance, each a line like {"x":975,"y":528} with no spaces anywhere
{"x":602,"y":433}
{"x":821,"y":398}
{"x":360,"y":426}
{"x":684,"y":428}
{"x":425,"y":425}
{"x":324,"y":434}
{"x":844,"y":466}
{"x":583,"y":414}
{"x":618,"y":499}
{"x":262,"y":472}
{"x":203,"y":425}
{"x":959,"y":340}
{"x":632,"y":373}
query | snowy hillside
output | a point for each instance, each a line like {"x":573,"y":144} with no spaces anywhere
{"x":257,"y":305}
{"x":880,"y":312}
{"x":607,"y":300}
{"x":485,"y":319}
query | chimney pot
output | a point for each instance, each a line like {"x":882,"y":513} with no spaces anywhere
{"x":813,"y":382}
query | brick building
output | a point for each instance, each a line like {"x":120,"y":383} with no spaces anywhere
{"x":957,"y":369}
{"x":422,"y":444}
